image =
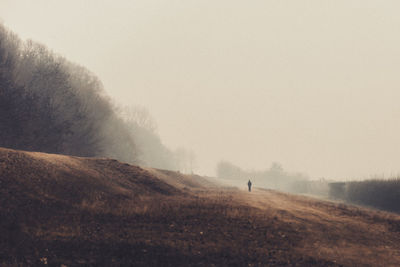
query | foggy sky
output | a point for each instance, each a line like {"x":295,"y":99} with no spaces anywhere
{"x":313,"y":85}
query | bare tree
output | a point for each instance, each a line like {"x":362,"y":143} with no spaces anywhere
{"x":140,"y":116}
{"x":49,"y":104}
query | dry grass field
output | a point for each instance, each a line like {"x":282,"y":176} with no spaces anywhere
{"x":68,"y":211}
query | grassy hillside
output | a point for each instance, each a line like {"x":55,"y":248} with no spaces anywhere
{"x":59,"y":210}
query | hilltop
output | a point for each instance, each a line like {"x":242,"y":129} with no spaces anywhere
{"x":72,"y":211}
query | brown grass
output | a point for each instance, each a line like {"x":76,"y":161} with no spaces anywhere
{"x":59,"y":210}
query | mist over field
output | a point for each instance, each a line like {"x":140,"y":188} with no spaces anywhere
{"x":199,"y":133}
{"x":49,"y":104}
{"x":312,"y":85}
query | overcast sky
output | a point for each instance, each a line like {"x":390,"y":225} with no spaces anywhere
{"x":314,"y":85}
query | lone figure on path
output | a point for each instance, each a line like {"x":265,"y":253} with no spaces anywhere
{"x":249,"y":184}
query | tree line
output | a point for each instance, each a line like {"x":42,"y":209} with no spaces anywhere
{"x":52,"y":105}
{"x":378,"y":193}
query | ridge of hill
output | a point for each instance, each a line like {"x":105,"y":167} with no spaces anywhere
{"x":69,"y":211}
{"x":73,"y":179}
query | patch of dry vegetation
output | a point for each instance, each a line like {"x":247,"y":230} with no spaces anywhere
{"x":350,"y":235}
{"x":59,"y":210}
{"x":161,"y":231}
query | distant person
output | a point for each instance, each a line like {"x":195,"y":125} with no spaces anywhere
{"x":249,"y":184}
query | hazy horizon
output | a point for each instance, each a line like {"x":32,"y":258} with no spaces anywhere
{"x":312,"y":85}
